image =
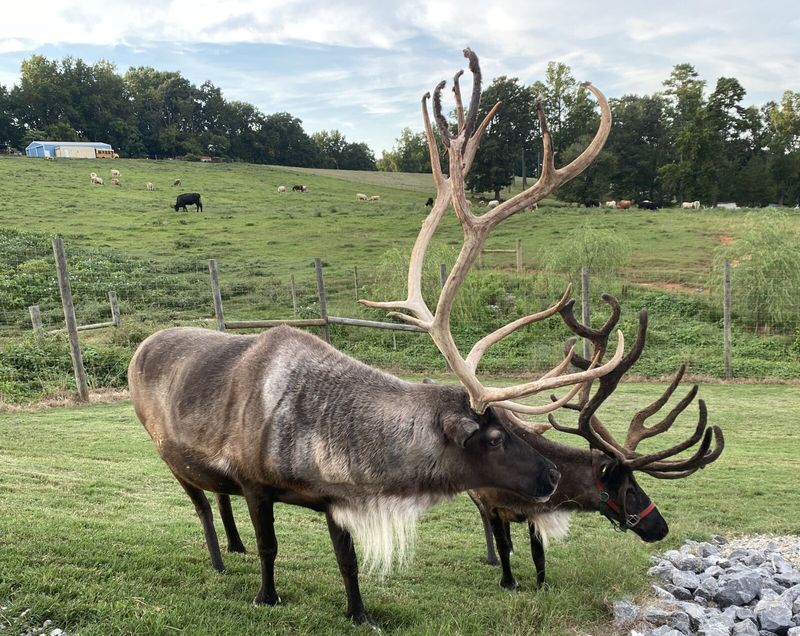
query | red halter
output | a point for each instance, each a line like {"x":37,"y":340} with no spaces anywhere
{"x":624,"y":521}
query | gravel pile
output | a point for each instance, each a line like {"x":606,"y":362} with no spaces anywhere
{"x":20,"y":625}
{"x":746,"y":587}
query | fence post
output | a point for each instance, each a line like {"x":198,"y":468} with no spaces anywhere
{"x":112,"y":298}
{"x":355,"y":280}
{"x":726,"y":319}
{"x":36,"y":320}
{"x":215,"y":292}
{"x":519,"y":256}
{"x":69,"y":319}
{"x":323,"y":301}
{"x":294,"y":295}
{"x":585,"y":317}
{"x":442,"y":274}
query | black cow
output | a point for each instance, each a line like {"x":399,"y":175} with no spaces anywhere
{"x":299,"y":188}
{"x":647,"y":205}
{"x":429,"y":202}
{"x":592,"y":203}
{"x":189,"y":198}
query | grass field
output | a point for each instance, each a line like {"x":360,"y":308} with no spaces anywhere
{"x":96,"y":535}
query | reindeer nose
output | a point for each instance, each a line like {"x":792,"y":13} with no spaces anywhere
{"x":551,"y":477}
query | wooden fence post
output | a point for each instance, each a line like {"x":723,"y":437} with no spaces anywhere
{"x":519,"y":256}
{"x":294,"y":295}
{"x":323,"y":301}
{"x":585,"y":313}
{"x":355,"y":280}
{"x":442,"y":274}
{"x":115,"y":316}
{"x":215,"y":292}
{"x":726,"y":319}
{"x":36,"y":320}
{"x":69,"y":319}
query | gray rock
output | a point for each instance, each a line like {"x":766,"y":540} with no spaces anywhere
{"x":738,"y":589}
{"x":745,"y":628}
{"x":680,"y":621}
{"x":793,"y":631}
{"x":792,"y":594}
{"x":662,"y":592}
{"x":680,"y":593}
{"x":719,"y":539}
{"x":754,"y":558}
{"x":673,"y":556}
{"x":788,"y":579}
{"x":712,"y":570}
{"x":695,"y":613}
{"x":729,"y":616}
{"x":625,"y":612}
{"x":663,"y":570}
{"x":656,"y":616}
{"x":743,"y":613}
{"x":713,"y":628}
{"x":665,"y":630}
{"x":708,"y":588}
{"x":773,"y":614}
{"x":766,"y":632}
{"x":781,"y":565}
{"x":690,"y":563}
{"x":708,"y":549}
{"x":688,"y":580}
{"x":767,"y":594}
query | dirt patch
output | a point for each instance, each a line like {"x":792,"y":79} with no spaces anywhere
{"x":724,"y":239}
{"x":100,"y":396}
{"x":673,"y":287}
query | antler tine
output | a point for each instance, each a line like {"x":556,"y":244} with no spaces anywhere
{"x":433,"y":150}
{"x":475,"y":100}
{"x":590,"y":435}
{"x":459,"y":104}
{"x":676,"y":470}
{"x":441,"y":122}
{"x":641,"y":461}
{"x":637,"y":431}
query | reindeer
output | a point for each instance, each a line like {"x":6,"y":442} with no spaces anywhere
{"x":284,"y":417}
{"x":601,"y":478}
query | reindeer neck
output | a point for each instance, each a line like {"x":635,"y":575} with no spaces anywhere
{"x":576,"y":489}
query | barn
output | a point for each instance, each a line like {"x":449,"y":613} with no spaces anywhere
{"x":73,"y":149}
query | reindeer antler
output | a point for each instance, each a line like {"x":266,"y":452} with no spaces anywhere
{"x":592,"y":429}
{"x":462,"y":148}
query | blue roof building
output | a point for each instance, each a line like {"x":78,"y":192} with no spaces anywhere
{"x":77,"y":149}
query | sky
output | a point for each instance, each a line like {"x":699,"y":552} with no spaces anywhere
{"x":361,"y":67}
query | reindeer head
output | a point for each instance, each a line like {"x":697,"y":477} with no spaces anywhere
{"x":620,"y":498}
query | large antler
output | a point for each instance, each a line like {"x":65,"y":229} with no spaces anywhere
{"x":461,"y":148}
{"x":592,"y":429}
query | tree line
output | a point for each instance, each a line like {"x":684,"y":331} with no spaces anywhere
{"x":683,"y":143}
{"x":151,"y":113}
{"x":688,"y":141}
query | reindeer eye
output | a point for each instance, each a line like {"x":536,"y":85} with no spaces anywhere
{"x":495,"y":438}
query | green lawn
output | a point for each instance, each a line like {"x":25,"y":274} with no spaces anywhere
{"x":96,"y":535}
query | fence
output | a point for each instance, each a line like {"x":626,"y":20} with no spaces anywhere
{"x":234,"y":305}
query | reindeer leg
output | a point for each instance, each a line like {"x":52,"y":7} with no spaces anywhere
{"x":226,"y":512}
{"x":491,"y":555}
{"x":507,"y":580}
{"x":348,"y":566}
{"x":259,"y":503}
{"x":508,"y":536}
{"x":203,"y":509}
{"x":537,"y":552}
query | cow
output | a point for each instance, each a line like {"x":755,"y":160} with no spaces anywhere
{"x":281,"y":189}
{"x":624,"y":204}
{"x":429,"y":202}
{"x":611,"y":204}
{"x":299,"y":188}
{"x":189,"y":198}
{"x":592,"y":203}
{"x":647,"y":205}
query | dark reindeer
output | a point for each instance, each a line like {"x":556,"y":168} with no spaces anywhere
{"x":284,"y":417}
{"x":600,"y":479}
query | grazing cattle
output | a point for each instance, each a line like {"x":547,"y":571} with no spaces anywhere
{"x":375,"y":197}
{"x":92,"y":175}
{"x":299,"y":188}
{"x":429,"y":202}
{"x":624,"y":204}
{"x":189,"y":198}
{"x":281,"y":189}
{"x":592,"y":203}
{"x":696,"y":205}
{"x":116,"y":182}
{"x":647,"y":205}
{"x":177,"y":182}
{"x":150,"y":186}
{"x":493,"y":203}
{"x":95,"y":180}
{"x":115,"y":173}
{"x":687,"y":205}
{"x":611,"y":204}
{"x":360,"y":196}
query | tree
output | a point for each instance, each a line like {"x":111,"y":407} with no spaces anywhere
{"x":783,"y":121}
{"x":507,"y":134}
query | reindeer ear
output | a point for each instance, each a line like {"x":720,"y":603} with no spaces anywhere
{"x":460,"y":429}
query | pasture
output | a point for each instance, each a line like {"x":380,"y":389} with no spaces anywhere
{"x":96,"y":535}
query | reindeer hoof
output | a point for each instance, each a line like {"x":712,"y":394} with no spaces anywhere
{"x":363,"y":618}
{"x":267,"y":599}
{"x":511,"y":586}
{"x":238,"y":547}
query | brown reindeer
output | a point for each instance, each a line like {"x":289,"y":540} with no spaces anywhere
{"x":284,"y":417}
{"x":601,"y":478}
